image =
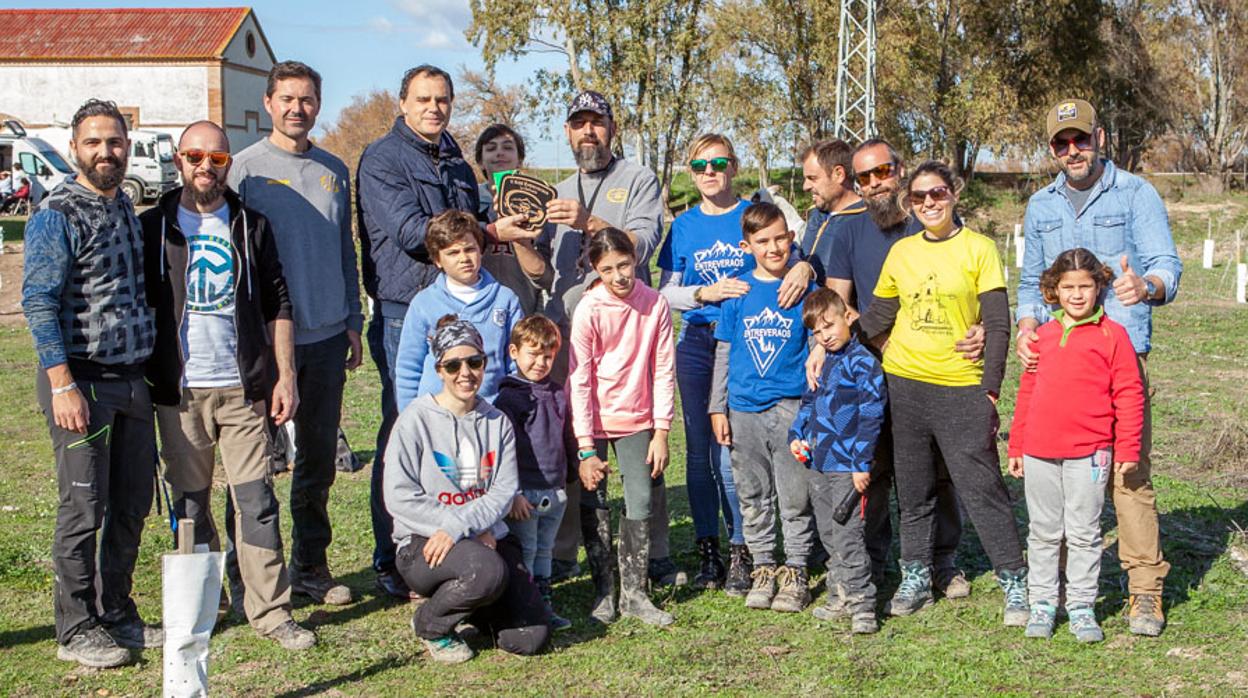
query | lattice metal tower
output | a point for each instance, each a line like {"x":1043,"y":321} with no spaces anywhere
{"x":855,"y":72}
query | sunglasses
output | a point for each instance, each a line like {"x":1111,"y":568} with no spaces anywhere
{"x":194,"y":156}
{"x":717,"y":164}
{"x":1061,"y":146}
{"x":942,"y":193}
{"x":880,"y":172}
{"x":475,"y":363}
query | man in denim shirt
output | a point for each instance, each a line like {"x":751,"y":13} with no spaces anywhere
{"x":1120,"y":217}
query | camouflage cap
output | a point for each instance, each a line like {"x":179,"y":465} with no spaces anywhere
{"x":590,"y":101}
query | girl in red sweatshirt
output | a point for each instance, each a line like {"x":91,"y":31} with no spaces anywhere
{"x":1077,"y":419}
{"x":622,"y":389}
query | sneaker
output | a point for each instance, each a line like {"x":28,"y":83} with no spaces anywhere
{"x":391,"y":584}
{"x":563,"y":570}
{"x":1083,"y":623}
{"x":664,"y":573}
{"x":557,"y":622}
{"x":292,"y":636}
{"x":448,"y":649}
{"x":1014,"y":584}
{"x":93,"y":648}
{"x":1145,"y":614}
{"x":740,"y":565}
{"x":763,"y":588}
{"x":319,"y":586}
{"x":915,"y":592}
{"x":1041,"y":620}
{"x":831,"y":610}
{"x":952,"y":583}
{"x":136,"y":635}
{"x":794,"y":592}
{"x":864,"y":624}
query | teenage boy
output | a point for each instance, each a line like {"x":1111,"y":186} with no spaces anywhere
{"x":454,"y":241}
{"x":835,"y":435}
{"x":756,"y":387}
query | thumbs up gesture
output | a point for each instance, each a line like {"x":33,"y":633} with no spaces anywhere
{"x":1129,"y":286}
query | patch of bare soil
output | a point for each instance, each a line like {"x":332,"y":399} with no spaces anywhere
{"x":11,"y":286}
{"x":1221,"y":207}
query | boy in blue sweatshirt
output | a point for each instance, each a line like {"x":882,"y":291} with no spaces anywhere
{"x":463,"y":289}
{"x":834,"y":434}
{"x":538,"y":408}
{"x":759,"y":369}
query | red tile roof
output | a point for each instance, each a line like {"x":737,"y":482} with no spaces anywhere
{"x":118,"y":34}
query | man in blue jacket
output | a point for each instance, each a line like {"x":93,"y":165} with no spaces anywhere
{"x":1120,"y":217}
{"x":404,"y":179}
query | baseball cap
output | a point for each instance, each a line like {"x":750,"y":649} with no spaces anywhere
{"x":1071,"y":113}
{"x":590,"y":101}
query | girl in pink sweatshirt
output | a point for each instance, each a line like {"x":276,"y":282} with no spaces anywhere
{"x":622,"y":390}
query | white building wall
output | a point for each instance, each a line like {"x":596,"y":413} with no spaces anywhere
{"x":166,"y":95}
{"x":246,"y":121}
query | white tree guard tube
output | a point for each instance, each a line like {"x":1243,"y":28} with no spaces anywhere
{"x":191,"y":595}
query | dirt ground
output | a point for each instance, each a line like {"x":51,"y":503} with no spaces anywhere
{"x":11,"y":286}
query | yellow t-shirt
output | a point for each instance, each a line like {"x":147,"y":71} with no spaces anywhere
{"x":938,"y":285}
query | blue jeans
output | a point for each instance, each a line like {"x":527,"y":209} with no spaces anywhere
{"x":383,"y":346}
{"x":537,"y":533}
{"x":708,"y":466}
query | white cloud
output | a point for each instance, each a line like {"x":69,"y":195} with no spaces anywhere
{"x":381,"y":25}
{"x":440,"y":24}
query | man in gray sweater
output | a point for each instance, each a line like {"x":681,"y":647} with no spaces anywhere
{"x":304,"y":192}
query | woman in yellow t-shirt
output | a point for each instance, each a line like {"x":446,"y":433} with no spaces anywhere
{"x":933,"y":286}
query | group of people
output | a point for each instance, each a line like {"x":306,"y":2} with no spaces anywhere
{"x":14,"y":189}
{"x":819,"y":371}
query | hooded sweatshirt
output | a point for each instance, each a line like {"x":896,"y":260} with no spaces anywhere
{"x":494,"y":310}
{"x":623,"y":374}
{"x":544,"y":440}
{"x":449,"y":473}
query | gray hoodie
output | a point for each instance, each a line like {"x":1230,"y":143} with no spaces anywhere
{"x":455,"y":474}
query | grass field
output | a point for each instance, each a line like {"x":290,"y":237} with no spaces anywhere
{"x":1199,"y":367}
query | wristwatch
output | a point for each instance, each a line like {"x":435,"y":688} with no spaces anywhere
{"x":697,"y":295}
{"x":1150,"y":289}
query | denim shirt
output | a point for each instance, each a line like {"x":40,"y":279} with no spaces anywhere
{"x":1124,"y":215}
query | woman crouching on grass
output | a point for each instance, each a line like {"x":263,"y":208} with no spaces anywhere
{"x":450,"y":478}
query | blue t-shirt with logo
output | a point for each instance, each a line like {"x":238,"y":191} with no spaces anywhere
{"x":767,"y":357}
{"x":704,"y":249}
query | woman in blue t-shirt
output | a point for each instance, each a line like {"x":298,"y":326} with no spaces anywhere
{"x":700,"y":262}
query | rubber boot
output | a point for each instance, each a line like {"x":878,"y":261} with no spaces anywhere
{"x":596,"y":532}
{"x":634,"y":558}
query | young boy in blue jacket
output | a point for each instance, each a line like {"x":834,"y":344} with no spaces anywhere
{"x":463,"y":289}
{"x":834,"y":433}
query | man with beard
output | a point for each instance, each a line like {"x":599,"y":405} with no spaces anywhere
{"x":826,"y":169}
{"x":305,"y":193}
{"x":215,"y":285}
{"x":1121,"y":218}
{"x":84,"y":298}
{"x":605,"y":192}
{"x":858,"y":254}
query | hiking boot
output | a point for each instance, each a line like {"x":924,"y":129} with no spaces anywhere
{"x":711,"y":571}
{"x":834,"y":607}
{"x":448,"y":649}
{"x":1014,"y":584}
{"x":951,"y":583}
{"x":596,"y":532}
{"x":864,"y":624}
{"x":740,"y":565}
{"x":135,"y":635}
{"x":93,"y":648}
{"x":317,"y":584}
{"x":634,"y":561}
{"x":763,"y":587}
{"x":1083,"y":623}
{"x":1145,"y":615}
{"x":664,"y":573}
{"x":292,"y":636}
{"x":392,"y":584}
{"x":1041,"y":620}
{"x":557,"y":622}
{"x":794,"y":591}
{"x":915,"y":592}
{"x":563,"y":570}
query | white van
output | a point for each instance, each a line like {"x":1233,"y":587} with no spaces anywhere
{"x":150,"y":171}
{"x":40,"y":163}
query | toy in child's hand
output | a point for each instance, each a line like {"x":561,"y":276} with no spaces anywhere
{"x":800,"y":449}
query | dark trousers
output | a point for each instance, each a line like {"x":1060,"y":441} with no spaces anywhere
{"x":383,"y":346}
{"x":849,"y":565}
{"x":961,"y":423}
{"x":321,"y":375}
{"x":490,"y":588}
{"x":105,"y":480}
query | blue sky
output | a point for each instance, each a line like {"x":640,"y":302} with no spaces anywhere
{"x":362,"y":45}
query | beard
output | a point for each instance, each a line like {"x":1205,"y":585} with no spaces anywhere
{"x":104,"y":181}
{"x":210,"y":195}
{"x":591,"y":157}
{"x":884,"y":210}
{"x":1090,"y":173}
